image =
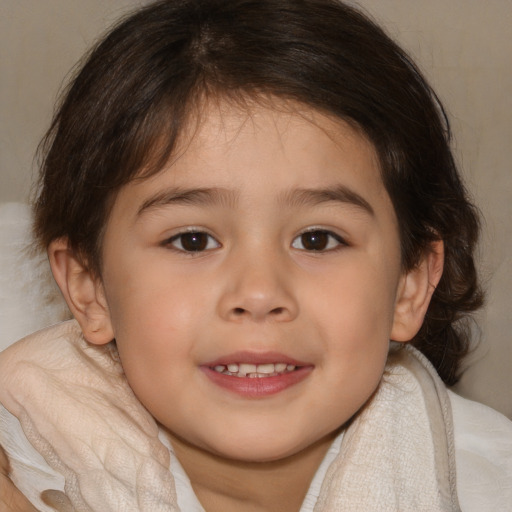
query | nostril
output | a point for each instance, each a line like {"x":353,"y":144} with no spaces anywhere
{"x":257,"y":313}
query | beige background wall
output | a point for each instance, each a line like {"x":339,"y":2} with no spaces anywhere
{"x":463,"y":46}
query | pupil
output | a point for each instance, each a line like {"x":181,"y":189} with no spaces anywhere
{"x":194,"y":241}
{"x":315,"y":240}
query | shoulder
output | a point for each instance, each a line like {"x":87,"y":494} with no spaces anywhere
{"x":26,"y":368}
{"x":43,"y":345}
{"x":55,"y":367}
{"x":69,"y":408}
{"x":483,"y":451}
{"x":26,"y":364}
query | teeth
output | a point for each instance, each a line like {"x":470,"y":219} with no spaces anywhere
{"x":254,"y":371}
{"x":244,"y":369}
{"x":266,"y":368}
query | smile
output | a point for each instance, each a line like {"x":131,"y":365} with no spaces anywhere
{"x":256,"y":375}
{"x":254,"y":371}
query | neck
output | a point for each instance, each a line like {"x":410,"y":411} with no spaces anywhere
{"x":226,"y":485}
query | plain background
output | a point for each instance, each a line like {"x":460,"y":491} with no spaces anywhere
{"x":463,"y":46}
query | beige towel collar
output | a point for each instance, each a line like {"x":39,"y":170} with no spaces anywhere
{"x":78,"y":411}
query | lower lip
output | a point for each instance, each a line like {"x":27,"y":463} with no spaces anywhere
{"x":257,"y":387}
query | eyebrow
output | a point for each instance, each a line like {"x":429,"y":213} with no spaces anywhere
{"x":337,"y":194}
{"x":225,"y":197}
{"x":195,"y":196}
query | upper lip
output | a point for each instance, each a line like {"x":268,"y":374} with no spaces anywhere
{"x":252,"y":357}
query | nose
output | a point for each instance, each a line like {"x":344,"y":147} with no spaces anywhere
{"x":258,"y":289}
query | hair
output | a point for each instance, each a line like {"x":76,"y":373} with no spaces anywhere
{"x":125,"y":109}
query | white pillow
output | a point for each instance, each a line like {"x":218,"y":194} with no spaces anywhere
{"x":29,"y":297}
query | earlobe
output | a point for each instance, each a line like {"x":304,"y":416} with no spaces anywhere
{"x":83,"y":292}
{"x":415,"y":291}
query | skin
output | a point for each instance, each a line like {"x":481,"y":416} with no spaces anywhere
{"x":11,"y":499}
{"x":255,"y":286}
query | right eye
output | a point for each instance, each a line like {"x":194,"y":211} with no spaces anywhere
{"x":193,"y":241}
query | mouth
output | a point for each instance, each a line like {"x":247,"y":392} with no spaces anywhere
{"x":253,"y":375}
{"x":254,"y":371}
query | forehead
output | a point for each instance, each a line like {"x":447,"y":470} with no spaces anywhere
{"x":273,"y":150}
{"x":224,"y":135}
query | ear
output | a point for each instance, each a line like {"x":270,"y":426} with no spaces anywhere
{"x":415,"y":291}
{"x":83,"y":292}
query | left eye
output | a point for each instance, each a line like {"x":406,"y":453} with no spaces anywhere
{"x":317,"y":240}
{"x":193,"y":241}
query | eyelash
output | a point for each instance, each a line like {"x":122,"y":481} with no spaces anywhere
{"x":330,"y":240}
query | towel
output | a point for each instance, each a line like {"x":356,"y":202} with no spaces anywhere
{"x":398,"y":453}
{"x":77,"y":409}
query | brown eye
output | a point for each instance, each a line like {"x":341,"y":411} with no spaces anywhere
{"x":194,"y":241}
{"x":317,"y":240}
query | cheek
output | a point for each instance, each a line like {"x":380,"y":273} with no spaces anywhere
{"x":152,"y":296}
{"x":357,"y":302}
{"x":354,"y":316}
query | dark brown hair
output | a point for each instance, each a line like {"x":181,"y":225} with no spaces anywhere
{"x":131,"y":99}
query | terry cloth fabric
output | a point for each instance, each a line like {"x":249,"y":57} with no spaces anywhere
{"x":398,"y":453}
{"x":77,"y":410}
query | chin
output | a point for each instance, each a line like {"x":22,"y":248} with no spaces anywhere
{"x":269,"y":449}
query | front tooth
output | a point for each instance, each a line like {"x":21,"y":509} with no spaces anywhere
{"x":245,"y":368}
{"x":265,"y":368}
{"x":233,"y":368}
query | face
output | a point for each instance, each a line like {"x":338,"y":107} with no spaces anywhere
{"x":252,"y":285}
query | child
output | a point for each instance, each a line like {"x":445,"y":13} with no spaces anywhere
{"x":242,"y":203}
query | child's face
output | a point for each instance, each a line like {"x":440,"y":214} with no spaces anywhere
{"x":270,"y":241}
